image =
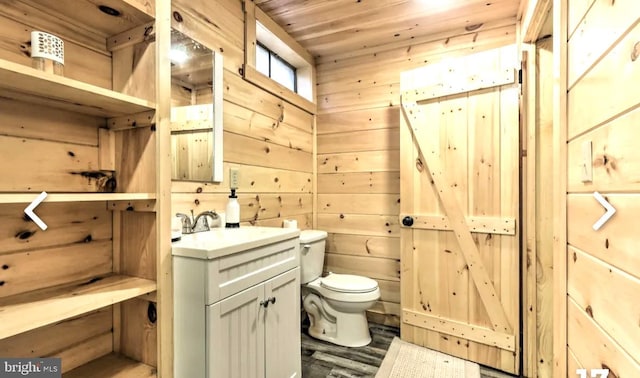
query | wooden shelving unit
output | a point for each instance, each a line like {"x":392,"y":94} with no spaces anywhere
{"x":21,"y":313}
{"x":88,"y":120}
{"x":113,"y":365}
{"x":30,"y":85}
{"x":75,"y":197}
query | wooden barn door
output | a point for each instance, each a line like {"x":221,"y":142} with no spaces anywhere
{"x":460,"y":262}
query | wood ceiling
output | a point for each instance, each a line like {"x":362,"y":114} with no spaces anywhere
{"x":329,"y":28}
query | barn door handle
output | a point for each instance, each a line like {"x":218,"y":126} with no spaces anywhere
{"x":407,"y":221}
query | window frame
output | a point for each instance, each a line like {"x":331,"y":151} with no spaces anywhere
{"x":259,"y":27}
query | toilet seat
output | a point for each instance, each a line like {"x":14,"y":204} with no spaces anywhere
{"x":321,"y":288}
{"x":348,"y":283}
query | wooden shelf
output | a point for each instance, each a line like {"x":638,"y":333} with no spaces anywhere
{"x":24,"y":83}
{"x":75,"y":197}
{"x":112,"y":365}
{"x":21,"y":313}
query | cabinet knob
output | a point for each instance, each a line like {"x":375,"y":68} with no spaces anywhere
{"x":272,"y":300}
{"x":407,"y":221}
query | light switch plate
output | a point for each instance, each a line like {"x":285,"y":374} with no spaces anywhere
{"x":587,"y":162}
{"x":234,"y":179}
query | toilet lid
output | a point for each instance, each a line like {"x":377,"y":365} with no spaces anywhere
{"x":348,"y":283}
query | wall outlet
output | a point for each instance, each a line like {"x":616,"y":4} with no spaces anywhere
{"x":234,"y":178}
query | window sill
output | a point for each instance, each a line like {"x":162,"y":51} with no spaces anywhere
{"x":255,"y":77}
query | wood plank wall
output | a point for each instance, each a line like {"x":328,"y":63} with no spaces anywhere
{"x":269,"y":140}
{"x":358,"y":152}
{"x":603,"y":266}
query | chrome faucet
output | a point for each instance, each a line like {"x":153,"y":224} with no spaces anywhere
{"x":198,"y":223}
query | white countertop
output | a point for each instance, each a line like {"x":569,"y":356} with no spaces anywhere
{"x":224,"y":241}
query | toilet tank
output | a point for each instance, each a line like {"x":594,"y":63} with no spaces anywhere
{"x":312,"y":244}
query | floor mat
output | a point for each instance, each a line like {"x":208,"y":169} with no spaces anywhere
{"x":406,"y":360}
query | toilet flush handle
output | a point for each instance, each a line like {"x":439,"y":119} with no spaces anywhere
{"x":306,"y":248}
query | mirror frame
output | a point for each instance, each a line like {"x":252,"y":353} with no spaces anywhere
{"x":217,"y":174}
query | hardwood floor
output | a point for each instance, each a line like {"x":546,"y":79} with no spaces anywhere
{"x":321,"y":359}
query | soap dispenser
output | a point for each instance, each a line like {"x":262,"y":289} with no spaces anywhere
{"x":233,"y":207}
{"x":233,"y":211}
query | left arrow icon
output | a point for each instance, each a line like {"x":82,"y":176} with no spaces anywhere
{"x":32,"y":215}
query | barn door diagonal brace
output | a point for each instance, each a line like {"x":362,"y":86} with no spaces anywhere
{"x":430,"y":155}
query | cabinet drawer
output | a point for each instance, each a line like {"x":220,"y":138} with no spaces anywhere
{"x":231,"y":274}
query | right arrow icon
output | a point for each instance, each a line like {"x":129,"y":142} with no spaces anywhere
{"x":610,"y":211}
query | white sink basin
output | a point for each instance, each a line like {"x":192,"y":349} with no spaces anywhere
{"x":225,"y":241}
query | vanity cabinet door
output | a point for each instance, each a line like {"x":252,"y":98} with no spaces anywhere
{"x":235,"y":336}
{"x":282,"y":325}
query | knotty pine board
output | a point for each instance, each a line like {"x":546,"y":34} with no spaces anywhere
{"x":595,"y":348}
{"x":359,"y":182}
{"x":137,"y":233}
{"x":247,"y":95}
{"x":376,"y":268}
{"x":253,"y":206}
{"x":82,"y":64}
{"x":615,"y":70}
{"x":359,"y":203}
{"x":368,"y":140}
{"x":591,"y":283}
{"x":42,"y":268}
{"x":363,"y":161}
{"x":577,"y":10}
{"x":616,"y":242}
{"x":86,"y":351}
{"x":369,"y":97}
{"x":358,"y":120}
{"x":135,"y":160}
{"x":240,"y":120}
{"x":219,"y":19}
{"x":304,"y":221}
{"x":601,"y":26}
{"x":252,"y":179}
{"x":200,"y":27}
{"x":56,"y":166}
{"x":112,"y":364}
{"x":336,"y":71}
{"x":377,"y":225}
{"x":364,"y":245}
{"x":615,"y":157}
{"x":68,"y":223}
{"x":244,"y":150}
{"x":138,"y":335}
{"x":389,"y":290}
{"x":352,"y":36}
{"x":19,"y":120}
{"x":52,"y":339}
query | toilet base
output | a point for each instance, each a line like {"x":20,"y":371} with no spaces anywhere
{"x":350,"y":330}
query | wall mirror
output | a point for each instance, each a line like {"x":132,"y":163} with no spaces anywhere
{"x":196,"y":110}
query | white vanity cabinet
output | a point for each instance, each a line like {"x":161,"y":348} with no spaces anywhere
{"x":237,"y":304}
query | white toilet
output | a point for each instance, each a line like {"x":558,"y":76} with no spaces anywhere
{"x":336,"y":304}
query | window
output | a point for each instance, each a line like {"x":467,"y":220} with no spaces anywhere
{"x":270,"y":64}
{"x":276,"y":62}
